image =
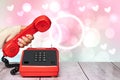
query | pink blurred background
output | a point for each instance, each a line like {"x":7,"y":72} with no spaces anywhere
{"x":82,"y":30}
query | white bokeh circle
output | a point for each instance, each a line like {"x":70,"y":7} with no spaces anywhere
{"x":81,"y":25}
{"x":91,"y":38}
{"x":54,"y":6}
{"x":53,"y":42}
{"x":26,"y":7}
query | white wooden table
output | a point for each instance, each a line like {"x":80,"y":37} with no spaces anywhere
{"x":73,"y":71}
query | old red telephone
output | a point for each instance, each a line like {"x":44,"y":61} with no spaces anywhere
{"x":34,"y":61}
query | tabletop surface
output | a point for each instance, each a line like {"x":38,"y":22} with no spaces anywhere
{"x":74,"y":71}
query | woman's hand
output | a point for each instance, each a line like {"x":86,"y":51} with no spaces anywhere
{"x":8,"y":33}
{"x":25,"y":40}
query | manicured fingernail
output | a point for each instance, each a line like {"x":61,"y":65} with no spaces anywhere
{"x":23,"y":37}
{"x":19,"y":39}
{"x":19,"y":44}
{"x":27,"y":35}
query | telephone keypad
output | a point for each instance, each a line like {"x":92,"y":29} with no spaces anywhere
{"x":40,"y":57}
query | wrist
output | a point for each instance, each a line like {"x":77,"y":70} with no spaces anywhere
{"x":22,"y":27}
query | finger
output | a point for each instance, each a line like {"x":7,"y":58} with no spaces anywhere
{"x":30,"y":36}
{"x":22,"y":41}
{"x":27,"y":40}
{"x":20,"y":44}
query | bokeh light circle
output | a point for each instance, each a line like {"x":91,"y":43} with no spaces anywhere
{"x":81,"y":27}
{"x":26,"y":7}
{"x":91,"y":38}
{"x":52,"y":33}
{"x":54,"y":6}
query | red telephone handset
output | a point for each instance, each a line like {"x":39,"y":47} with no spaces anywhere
{"x":41,"y":23}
